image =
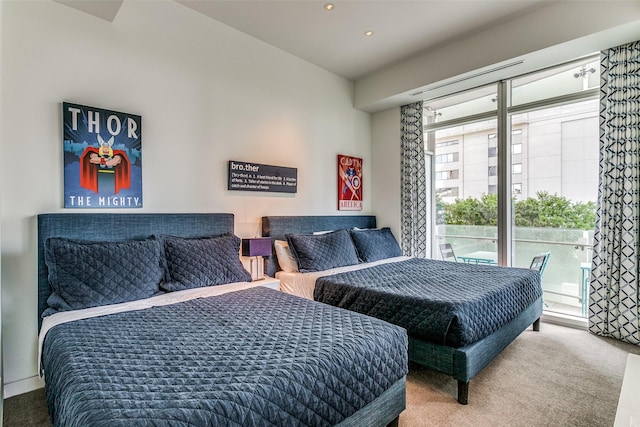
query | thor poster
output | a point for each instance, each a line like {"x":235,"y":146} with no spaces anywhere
{"x":102,"y":158}
{"x":349,"y":183}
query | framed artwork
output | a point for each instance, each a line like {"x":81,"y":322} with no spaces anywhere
{"x":102,"y":158}
{"x":349,"y":183}
{"x":245,"y":176}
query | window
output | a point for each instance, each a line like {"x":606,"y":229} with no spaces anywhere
{"x":446,"y":143}
{"x":549,"y":184}
{"x":447,"y":192}
{"x":517,"y":188}
{"x":516,"y":168}
{"x":446,"y":175}
{"x":447,"y":158}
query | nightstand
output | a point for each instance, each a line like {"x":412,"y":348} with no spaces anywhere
{"x":268,"y":282}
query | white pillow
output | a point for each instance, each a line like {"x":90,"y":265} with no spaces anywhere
{"x":285,"y":258}
{"x":318,"y":233}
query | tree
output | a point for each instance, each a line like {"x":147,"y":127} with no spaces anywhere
{"x":545,"y":210}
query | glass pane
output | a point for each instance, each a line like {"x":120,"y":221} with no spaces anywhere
{"x":464,"y":104}
{"x":554,"y":197}
{"x":564,"y":80}
{"x":466,"y":191}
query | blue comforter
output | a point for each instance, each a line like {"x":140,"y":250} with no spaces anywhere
{"x":442,"y":302}
{"x":250,"y":358}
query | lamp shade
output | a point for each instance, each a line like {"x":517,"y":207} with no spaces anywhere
{"x":256,"y":246}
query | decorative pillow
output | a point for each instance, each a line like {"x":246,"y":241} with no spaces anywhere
{"x":322,"y":252}
{"x":286,"y":260}
{"x":375,"y":244}
{"x":87,"y":274}
{"x":203,"y":261}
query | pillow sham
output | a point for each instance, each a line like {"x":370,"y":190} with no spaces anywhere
{"x":375,"y":244}
{"x":323,"y":251}
{"x":196,"y":262}
{"x":286,"y":260}
{"x":85,"y":274}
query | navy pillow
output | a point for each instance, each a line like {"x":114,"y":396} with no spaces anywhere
{"x":322,"y":252}
{"x":203,"y":261}
{"x":375,"y":244}
{"x":85,"y":274}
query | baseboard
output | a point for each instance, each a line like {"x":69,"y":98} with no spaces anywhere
{"x":565,"y":320}
{"x":22,"y":386}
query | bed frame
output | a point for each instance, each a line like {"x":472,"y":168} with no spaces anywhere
{"x":383,"y":411}
{"x":461,"y":363}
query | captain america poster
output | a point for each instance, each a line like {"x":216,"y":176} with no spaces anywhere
{"x":349,"y":183}
{"x":102,"y":158}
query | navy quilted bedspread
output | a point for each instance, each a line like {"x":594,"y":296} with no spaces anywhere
{"x":256,"y":357}
{"x":442,"y":302}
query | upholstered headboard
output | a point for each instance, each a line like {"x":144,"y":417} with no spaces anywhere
{"x":277,"y":227}
{"x":118,"y":227}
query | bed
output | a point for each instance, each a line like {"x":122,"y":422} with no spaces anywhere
{"x":118,"y":348}
{"x":459,"y":317}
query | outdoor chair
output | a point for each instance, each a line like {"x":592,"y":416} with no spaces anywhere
{"x":446,"y":250}
{"x":539,"y":262}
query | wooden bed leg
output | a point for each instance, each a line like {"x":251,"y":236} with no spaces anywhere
{"x":395,"y":422}
{"x":536,"y":325}
{"x":463,"y":392}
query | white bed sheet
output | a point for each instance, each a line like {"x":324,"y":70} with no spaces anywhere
{"x":156,"y":301}
{"x":303,"y":284}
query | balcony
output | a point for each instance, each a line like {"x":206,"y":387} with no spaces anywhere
{"x":566,"y":276}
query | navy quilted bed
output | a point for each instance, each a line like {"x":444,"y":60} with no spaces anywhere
{"x":256,"y":357}
{"x":446,"y":303}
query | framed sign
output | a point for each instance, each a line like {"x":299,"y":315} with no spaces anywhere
{"x":349,"y":183}
{"x":102,"y":158}
{"x":245,"y":176}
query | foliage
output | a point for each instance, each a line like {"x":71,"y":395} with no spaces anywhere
{"x":545,"y":210}
{"x":472,"y":211}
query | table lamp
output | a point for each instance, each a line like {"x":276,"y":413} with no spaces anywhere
{"x":256,"y":248}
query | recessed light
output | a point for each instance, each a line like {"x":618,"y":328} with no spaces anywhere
{"x":329,"y":6}
{"x":368,"y":33}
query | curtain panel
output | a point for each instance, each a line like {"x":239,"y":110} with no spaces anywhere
{"x":413,"y":181}
{"x":613,"y":290}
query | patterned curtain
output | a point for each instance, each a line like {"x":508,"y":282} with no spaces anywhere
{"x":413,"y":181}
{"x":613,"y":294}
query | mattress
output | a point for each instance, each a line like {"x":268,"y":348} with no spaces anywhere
{"x":303,"y":284}
{"x":250,"y":357}
{"x":445,"y":303}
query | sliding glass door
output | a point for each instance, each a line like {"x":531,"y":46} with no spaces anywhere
{"x":464,"y":157}
{"x":515,"y":175}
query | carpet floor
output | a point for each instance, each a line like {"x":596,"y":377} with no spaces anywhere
{"x":556,"y":377}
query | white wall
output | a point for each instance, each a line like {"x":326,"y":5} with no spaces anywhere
{"x":385,"y":169}
{"x":206,"y":93}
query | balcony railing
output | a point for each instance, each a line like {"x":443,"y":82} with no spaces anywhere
{"x":566,"y":276}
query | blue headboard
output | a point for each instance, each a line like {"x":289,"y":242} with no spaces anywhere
{"x":116,"y":227}
{"x":277,"y":227}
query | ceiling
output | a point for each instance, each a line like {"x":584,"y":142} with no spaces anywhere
{"x":335,"y":40}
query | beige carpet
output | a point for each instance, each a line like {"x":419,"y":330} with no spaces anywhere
{"x":556,"y":377}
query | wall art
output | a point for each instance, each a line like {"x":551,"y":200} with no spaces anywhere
{"x":102,"y":158}
{"x":349,"y":183}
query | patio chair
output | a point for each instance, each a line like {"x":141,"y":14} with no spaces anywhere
{"x":539,"y":262}
{"x":446,"y":250}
